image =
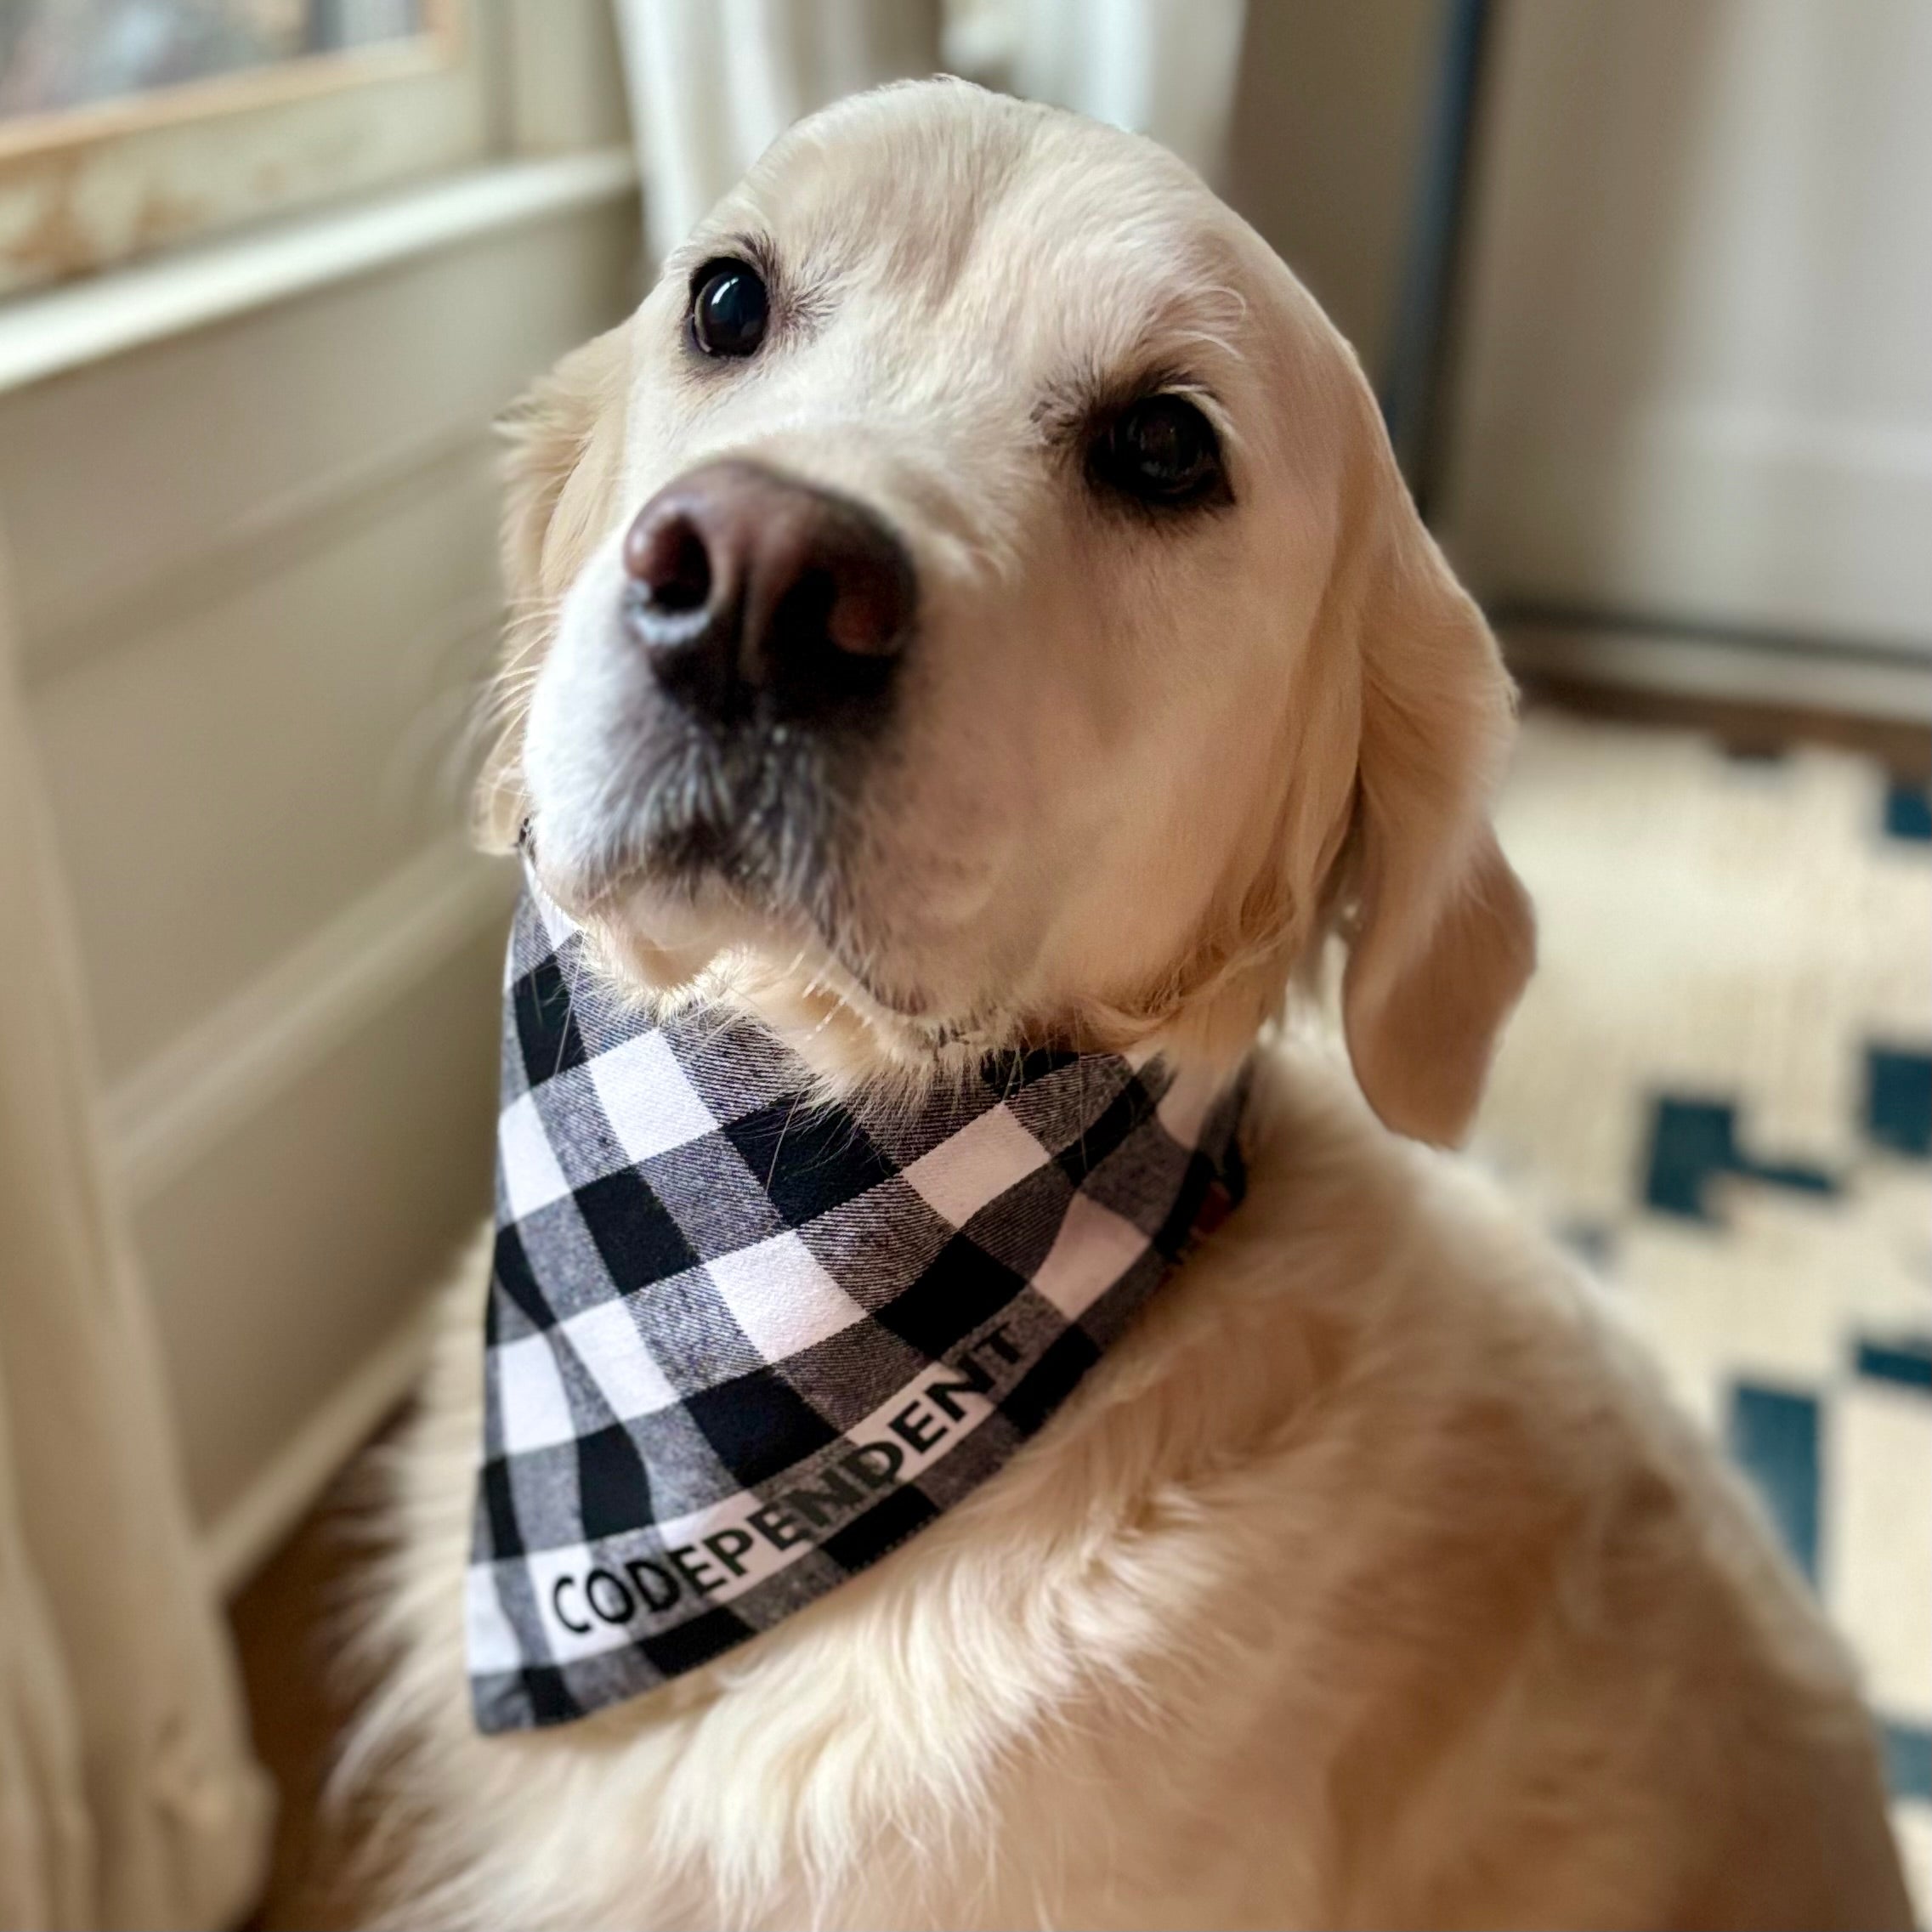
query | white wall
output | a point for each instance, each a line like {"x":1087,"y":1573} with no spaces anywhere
{"x":1697,"y":369}
{"x":1330,"y":107}
{"x":255,"y":567}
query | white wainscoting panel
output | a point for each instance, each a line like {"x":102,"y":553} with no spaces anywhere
{"x":255,"y":567}
{"x":1697,"y":372}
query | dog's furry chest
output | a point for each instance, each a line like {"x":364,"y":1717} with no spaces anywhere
{"x":1310,"y":1583}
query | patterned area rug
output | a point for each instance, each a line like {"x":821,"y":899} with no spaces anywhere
{"x":1719,"y":1089}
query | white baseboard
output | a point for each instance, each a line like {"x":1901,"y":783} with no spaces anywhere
{"x":251,"y":1529}
{"x":1867,"y":685}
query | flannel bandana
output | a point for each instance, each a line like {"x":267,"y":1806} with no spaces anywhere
{"x":741,"y":1343}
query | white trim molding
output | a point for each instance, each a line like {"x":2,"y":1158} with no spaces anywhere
{"x":175,"y":1111}
{"x":248,"y":1532}
{"x":47,"y":335}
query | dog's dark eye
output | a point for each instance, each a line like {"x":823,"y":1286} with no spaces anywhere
{"x":1160,"y":450}
{"x":729,"y":308}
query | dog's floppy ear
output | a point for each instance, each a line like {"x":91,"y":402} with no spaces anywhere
{"x":1442,"y":938}
{"x":564,"y":442}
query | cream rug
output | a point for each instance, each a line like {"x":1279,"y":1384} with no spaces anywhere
{"x":1719,"y":1089}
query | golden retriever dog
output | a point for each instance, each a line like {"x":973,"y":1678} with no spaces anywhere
{"x":1369,"y":1579}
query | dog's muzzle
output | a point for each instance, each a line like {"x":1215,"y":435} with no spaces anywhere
{"x":759,"y":599}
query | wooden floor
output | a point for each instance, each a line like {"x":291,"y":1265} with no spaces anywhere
{"x":289,"y":1625}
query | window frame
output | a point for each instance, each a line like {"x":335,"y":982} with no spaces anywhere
{"x":94,"y":187}
{"x":436,"y":44}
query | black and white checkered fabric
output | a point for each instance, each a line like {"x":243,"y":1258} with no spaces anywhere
{"x":741,"y":1344}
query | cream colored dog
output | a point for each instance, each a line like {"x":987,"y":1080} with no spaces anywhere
{"x":1370,"y":1581}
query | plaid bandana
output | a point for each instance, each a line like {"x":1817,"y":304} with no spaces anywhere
{"x":742,"y":1343}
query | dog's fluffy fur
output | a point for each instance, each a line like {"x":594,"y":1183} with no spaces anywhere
{"x":1370,"y":1580}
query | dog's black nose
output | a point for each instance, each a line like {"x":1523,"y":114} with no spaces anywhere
{"x":754,"y":593}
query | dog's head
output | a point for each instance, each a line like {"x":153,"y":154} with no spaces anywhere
{"x":972,"y":601}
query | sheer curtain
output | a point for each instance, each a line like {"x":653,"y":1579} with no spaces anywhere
{"x":128,"y":1795}
{"x":711,"y":82}
{"x":1162,"y":67}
